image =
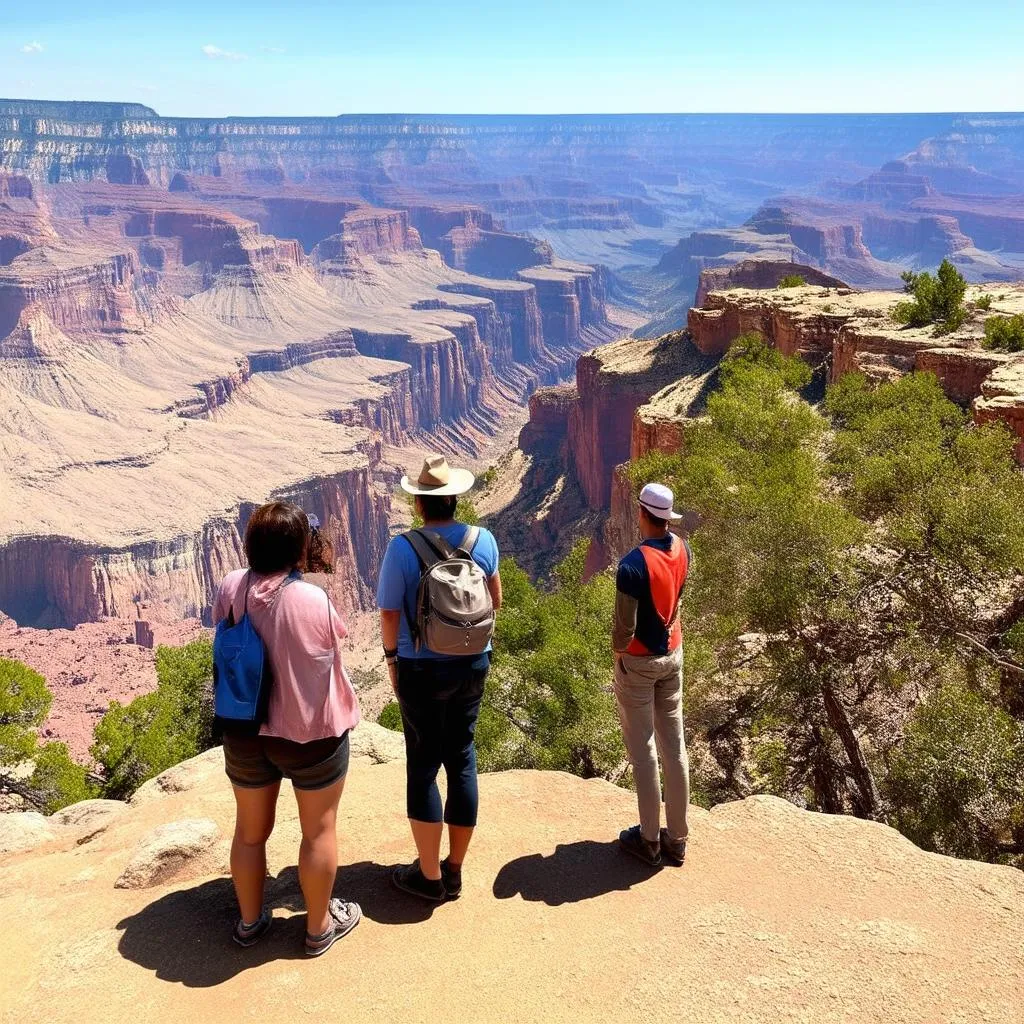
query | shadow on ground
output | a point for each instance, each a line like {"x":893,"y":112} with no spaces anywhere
{"x":185,"y":936}
{"x":574,"y":872}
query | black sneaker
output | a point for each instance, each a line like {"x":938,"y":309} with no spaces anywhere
{"x":411,"y":880}
{"x":673,"y":850}
{"x":249,"y":935}
{"x":633,"y":842}
{"x":452,"y":878}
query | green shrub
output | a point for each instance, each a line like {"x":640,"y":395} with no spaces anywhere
{"x":158,"y":730}
{"x":957,"y":778}
{"x":983,"y":302}
{"x":547,"y":704}
{"x":391,"y":717}
{"x":44,"y":776}
{"x":792,"y":281}
{"x":937,"y":300}
{"x":1005,"y":333}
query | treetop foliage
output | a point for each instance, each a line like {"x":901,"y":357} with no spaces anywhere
{"x":42,"y":775}
{"x":938,"y":300}
{"x":135,"y":742}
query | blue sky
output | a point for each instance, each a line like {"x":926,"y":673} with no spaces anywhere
{"x":534,"y":56}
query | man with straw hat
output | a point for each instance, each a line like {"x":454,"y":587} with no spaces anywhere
{"x":439,"y":692}
{"x":648,"y":647}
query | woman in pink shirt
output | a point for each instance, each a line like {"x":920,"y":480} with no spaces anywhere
{"x":311,"y":711}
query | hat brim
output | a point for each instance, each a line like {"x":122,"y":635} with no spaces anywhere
{"x":669,"y":515}
{"x":459,"y":482}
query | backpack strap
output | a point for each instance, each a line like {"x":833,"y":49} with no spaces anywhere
{"x":430,"y":547}
{"x":472,"y":535}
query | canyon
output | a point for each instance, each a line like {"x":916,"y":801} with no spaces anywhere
{"x":199,"y":314}
{"x":632,"y":397}
{"x":168,"y":365}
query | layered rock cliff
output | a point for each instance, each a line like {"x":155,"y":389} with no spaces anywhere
{"x":172,"y":364}
{"x":854,"y":331}
{"x":632,"y":397}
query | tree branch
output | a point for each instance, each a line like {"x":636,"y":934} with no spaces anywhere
{"x":9,"y":784}
{"x":1006,"y":666}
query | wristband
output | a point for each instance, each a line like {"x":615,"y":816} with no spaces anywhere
{"x":391,"y":652}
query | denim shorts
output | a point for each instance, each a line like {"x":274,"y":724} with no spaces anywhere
{"x":253,"y":762}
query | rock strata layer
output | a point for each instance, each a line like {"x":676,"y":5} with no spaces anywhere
{"x":168,"y":363}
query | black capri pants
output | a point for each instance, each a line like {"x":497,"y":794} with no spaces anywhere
{"x":440,"y":702}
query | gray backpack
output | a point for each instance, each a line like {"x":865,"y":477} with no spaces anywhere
{"x":454,"y":611}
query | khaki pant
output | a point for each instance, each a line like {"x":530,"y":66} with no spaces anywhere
{"x":649,"y":693}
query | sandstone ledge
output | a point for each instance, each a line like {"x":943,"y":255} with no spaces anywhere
{"x":779,"y":914}
{"x":854,"y":331}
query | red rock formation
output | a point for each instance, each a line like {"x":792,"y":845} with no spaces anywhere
{"x":758,"y":274}
{"x":517,"y":334}
{"x":612,"y":383}
{"x":368,"y":231}
{"x":492,"y":253}
{"x":52,"y":581}
{"x":994,"y":222}
{"x":854,"y":331}
{"x":123,"y":169}
{"x":548,"y":425}
{"x":76,"y":291}
{"x":893,"y":185}
{"x":435,"y":222}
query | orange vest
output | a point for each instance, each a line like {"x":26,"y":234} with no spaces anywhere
{"x":666,"y":571}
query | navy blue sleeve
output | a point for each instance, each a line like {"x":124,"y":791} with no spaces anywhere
{"x":631,"y":579}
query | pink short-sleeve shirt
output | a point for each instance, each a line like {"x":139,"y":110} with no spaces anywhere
{"x":312,"y":697}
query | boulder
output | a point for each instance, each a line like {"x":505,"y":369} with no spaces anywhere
{"x":380,"y":745}
{"x":182,"y":777}
{"x":89,"y":817}
{"x":24,"y":830}
{"x":170,"y":852}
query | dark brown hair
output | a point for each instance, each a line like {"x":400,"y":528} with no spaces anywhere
{"x":437,"y":508}
{"x":277,"y":538}
{"x":653,"y":519}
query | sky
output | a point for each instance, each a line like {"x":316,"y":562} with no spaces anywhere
{"x":216,"y":59}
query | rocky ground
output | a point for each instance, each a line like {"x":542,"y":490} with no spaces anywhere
{"x":778,"y":915}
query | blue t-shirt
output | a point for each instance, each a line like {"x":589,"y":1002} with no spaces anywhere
{"x":400,"y":579}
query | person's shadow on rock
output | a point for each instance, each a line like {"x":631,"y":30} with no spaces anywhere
{"x":574,"y":872}
{"x":185,"y":936}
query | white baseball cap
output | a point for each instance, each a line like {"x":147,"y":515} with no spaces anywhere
{"x":657,"y":499}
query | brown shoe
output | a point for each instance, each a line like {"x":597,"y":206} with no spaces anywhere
{"x":672,"y":850}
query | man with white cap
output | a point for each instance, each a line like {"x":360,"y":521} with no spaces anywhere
{"x":648,"y":644}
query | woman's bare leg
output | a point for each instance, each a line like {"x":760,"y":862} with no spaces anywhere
{"x":254,"y":821}
{"x":318,"y":854}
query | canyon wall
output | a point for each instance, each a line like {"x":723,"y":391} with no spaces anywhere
{"x":632,"y":397}
{"x":853,"y":331}
{"x":167,"y":364}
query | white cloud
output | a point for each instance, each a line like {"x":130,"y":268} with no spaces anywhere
{"x":32,"y":47}
{"x":216,"y":53}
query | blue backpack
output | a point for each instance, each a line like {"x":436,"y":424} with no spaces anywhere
{"x":242,"y":675}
